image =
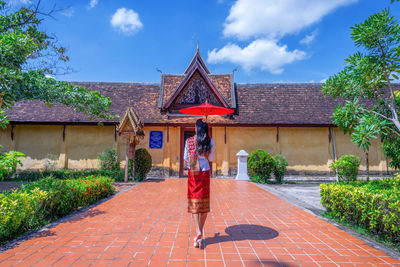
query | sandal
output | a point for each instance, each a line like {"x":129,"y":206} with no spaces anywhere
{"x":197,"y":241}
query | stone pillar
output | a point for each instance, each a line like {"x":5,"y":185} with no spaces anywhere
{"x":242,"y":166}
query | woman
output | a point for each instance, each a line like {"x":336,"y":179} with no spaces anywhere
{"x":199,"y":152}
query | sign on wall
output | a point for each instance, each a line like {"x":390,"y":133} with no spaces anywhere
{"x":156,"y":139}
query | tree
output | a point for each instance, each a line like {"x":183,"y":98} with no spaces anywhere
{"x":24,"y":64}
{"x":369,"y":75}
{"x":27,"y":55}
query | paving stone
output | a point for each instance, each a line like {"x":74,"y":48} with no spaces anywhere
{"x":149,"y":225}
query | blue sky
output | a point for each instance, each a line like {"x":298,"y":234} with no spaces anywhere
{"x":266,"y":40}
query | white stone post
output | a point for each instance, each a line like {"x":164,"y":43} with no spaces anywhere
{"x":242,"y":166}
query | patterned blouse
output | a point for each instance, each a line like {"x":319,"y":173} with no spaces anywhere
{"x":203,"y":162}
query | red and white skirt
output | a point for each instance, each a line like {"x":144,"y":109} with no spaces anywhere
{"x":198,"y":191}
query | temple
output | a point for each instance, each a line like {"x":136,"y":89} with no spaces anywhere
{"x":292,"y":119}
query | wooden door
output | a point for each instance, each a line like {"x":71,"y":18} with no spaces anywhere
{"x":185,"y":134}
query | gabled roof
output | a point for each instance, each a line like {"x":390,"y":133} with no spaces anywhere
{"x":131,"y":124}
{"x":197,"y":58}
{"x":197,"y":65}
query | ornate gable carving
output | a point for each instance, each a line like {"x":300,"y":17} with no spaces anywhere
{"x":196,"y":88}
{"x":196,"y":92}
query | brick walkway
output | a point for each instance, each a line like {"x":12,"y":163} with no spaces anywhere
{"x":148,"y":224}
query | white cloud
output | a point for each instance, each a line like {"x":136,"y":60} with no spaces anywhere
{"x":263,"y":53}
{"x":264,"y":23}
{"x":127,"y":20}
{"x":17,"y":2}
{"x":309,"y":38}
{"x":93,"y":3}
{"x":276,"y":18}
{"x":68,"y":12}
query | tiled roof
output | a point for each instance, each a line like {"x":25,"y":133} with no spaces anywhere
{"x":169,"y":83}
{"x":223,"y":83}
{"x":268,"y":104}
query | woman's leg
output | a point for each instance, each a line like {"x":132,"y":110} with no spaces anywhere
{"x":203,"y":217}
{"x":196,"y":220}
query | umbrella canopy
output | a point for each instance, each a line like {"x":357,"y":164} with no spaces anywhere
{"x":206,"y":109}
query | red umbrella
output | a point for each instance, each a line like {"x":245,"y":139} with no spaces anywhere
{"x":206,"y":109}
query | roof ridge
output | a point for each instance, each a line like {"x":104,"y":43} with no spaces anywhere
{"x":99,"y":82}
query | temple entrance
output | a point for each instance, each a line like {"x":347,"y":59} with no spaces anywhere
{"x":187,"y":132}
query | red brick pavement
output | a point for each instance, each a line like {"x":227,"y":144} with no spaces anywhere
{"x":149,"y":225}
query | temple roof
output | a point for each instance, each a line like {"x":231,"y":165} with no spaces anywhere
{"x":218,"y":87}
{"x":257,"y":104}
{"x":269,"y":104}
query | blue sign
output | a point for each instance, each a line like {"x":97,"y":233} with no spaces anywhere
{"x":156,"y":139}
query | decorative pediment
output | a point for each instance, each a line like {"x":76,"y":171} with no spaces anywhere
{"x":130,"y":125}
{"x":196,"y":92}
{"x":195,"y":88}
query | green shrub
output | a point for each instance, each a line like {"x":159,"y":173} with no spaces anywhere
{"x":109,"y":159}
{"x":9,"y":162}
{"x":20,"y":211}
{"x":63,"y":174}
{"x":346,"y":167}
{"x":34,"y":205}
{"x":280,"y":164}
{"x":260,"y":165}
{"x":374,"y":205}
{"x":143,"y":164}
{"x":59,"y":203}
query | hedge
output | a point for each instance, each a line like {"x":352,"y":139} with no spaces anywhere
{"x":63,"y":174}
{"x":32,"y":206}
{"x":374,"y":205}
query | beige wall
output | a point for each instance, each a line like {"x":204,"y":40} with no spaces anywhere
{"x":307,"y":149}
{"x":40,"y":143}
{"x":85,"y":143}
{"x":36,"y":141}
{"x":377,"y":160}
{"x":166,"y":157}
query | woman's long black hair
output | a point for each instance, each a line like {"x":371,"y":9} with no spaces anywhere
{"x":203,"y":139}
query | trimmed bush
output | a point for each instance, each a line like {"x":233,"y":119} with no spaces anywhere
{"x":280,"y":164}
{"x":36,"y":204}
{"x":374,"y":205}
{"x":260,"y":165}
{"x":346,"y":167}
{"x":109,"y":159}
{"x":143,"y":163}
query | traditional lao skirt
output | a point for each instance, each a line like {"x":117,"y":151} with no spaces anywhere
{"x":198,"y":191}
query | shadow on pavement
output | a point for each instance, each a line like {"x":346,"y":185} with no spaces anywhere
{"x":243,"y":232}
{"x":275,"y":263}
{"x":154,"y":180}
{"x":87,"y":214}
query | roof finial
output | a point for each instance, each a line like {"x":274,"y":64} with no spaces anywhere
{"x":197,"y":46}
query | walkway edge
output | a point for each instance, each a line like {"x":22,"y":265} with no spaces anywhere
{"x":15,"y":242}
{"x":316,"y":212}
